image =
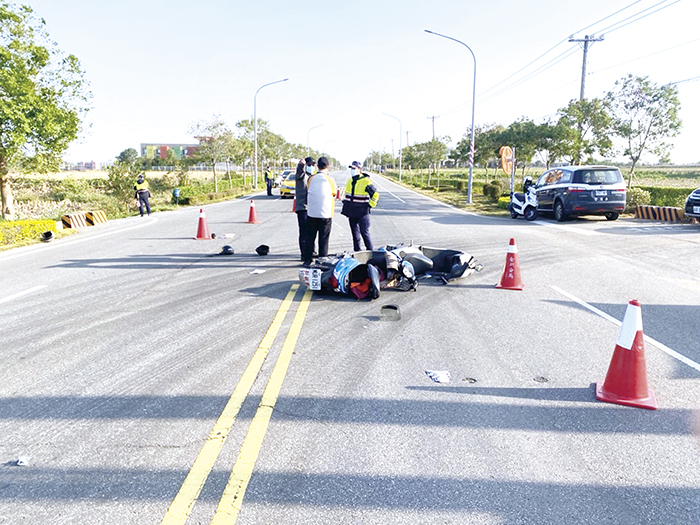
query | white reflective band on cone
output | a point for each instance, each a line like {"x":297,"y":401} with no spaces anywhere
{"x":631,"y":324}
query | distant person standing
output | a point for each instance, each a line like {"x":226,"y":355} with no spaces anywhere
{"x":360,"y":197}
{"x":305,"y":169}
{"x":269,"y":179}
{"x":142,"y":193}
{"x":320,"y":199}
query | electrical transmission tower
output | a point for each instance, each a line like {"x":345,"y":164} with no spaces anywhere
{"x":586,"y":40}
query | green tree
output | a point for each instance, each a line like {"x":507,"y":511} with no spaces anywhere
{"x":643,"y":116}
{"x":128,"y":156}
{"x":589,"y":127}
{"x":44,"y":98}
{"x":487,"y":142}
{"x":553,"y":141}
{"x":121,"y":177}
{"x":523,"y":136}
{"x":215,"y":143}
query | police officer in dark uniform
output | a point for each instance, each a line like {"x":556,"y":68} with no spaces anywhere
{"x":269,"y":179}
{"x":361,"y":196}
{"x":141,"y":193}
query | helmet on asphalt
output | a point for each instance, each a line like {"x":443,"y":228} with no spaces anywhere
{"x":227,"y":250}
{"x":263,"y":249}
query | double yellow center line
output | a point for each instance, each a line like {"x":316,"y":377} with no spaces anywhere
{"x":230,"y":503}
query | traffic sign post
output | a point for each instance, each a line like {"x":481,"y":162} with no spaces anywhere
{"x":508,"y":165}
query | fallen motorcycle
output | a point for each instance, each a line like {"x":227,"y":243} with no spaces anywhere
{"x":363,"y":274}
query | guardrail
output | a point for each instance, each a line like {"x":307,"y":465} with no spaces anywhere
{"x":659,"y":213}
{"x":83,"y":219}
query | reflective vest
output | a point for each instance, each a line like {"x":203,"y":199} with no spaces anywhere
{"x":360,"y":196}
{"x":141,"y":186}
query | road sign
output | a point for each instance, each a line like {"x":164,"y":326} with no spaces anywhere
{"x":506,"y":159}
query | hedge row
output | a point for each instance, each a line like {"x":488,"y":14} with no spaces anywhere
{"x":18,"y":232}
{"x":666,"y":196}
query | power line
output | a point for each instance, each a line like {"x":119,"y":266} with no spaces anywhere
{"x":640,"y":18}
{"x":645,"y":56}
{"x":565,"y":54}
{"x":558,"y":44}
{"x":681,"y":81}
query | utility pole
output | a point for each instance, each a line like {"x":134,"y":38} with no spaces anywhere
{"x":585,"y":41}
{"x":433,"y":119}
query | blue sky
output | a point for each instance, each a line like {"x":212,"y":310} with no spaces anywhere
{"x":155,"y":67}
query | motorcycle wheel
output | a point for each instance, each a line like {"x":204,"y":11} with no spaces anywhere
{"x":530,"y":214}
{"x":513,"y":214}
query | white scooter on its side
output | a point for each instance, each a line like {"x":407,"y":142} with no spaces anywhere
{"x":525,"y":203}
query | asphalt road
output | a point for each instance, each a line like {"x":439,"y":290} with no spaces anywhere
{"x":146,"y":379}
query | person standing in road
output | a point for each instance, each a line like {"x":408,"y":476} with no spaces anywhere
{"x":141,"y":193}
{"x":360,"y":197}
{"x":320,"y":200}
{"x":269,"y":179}
{"x":305,"y":169}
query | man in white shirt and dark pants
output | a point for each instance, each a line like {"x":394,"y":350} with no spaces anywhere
{"x":320,"y":205}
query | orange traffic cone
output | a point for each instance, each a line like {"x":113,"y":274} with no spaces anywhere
{"x":337,"y":194}
{"x":626,"y":381}
{"x":511,"y":272}
{"x":252,"y":216}
{"x":294,"y":205}
{"x":203,"y":227}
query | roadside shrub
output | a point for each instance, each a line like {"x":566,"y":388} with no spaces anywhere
{"x":493,"y":190}
{"x":18,"y":232}
{"x":503,"y":202}
{"x":637,"y":196}
{"x":663,"y":196}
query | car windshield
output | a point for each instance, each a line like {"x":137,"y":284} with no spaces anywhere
{"x":291,"y":176}
{"x":597,"y":177}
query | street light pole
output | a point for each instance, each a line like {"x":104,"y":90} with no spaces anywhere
{"x":308,"y":150}
{"x":471,"y":140}
{"x":255,"y":130}
{"x":400,"y":133}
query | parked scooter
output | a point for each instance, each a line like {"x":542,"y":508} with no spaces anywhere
{"x":525,"y":203}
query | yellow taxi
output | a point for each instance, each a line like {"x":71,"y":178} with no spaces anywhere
{"x":288,"y":186}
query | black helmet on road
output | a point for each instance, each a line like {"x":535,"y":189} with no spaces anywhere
{"x":263,"y":249}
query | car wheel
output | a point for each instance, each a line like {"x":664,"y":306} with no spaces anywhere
{"x":530,"y":213}
{"x":559,"y":214}
{"x":612,"y":215}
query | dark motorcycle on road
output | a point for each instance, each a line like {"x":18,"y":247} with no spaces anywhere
{"x":364,"y":274}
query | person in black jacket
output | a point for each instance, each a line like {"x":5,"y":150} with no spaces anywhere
{"x":305,"y":169}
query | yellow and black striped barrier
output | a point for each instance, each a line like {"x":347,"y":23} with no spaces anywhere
{"x":74,"y":220}
{"x":95,"y":217}
{"x":659,"y":213}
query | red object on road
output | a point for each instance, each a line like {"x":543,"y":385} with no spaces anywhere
{"x":510,"y":280}
{"x":203,"y":227}
{"x":253,"y":215}
{"x":626,"y":381}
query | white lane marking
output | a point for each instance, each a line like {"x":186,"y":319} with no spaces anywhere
{"x":568,"y":228}
{"x":384,"y":189}
{"x":660,"y":346}
{"x":20,"y":294}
